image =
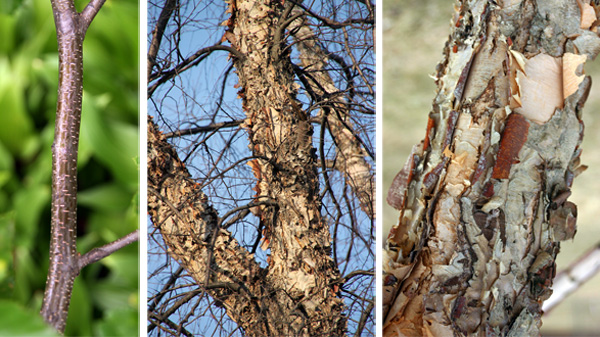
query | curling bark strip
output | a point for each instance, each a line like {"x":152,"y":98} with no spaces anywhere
{"x":190,"y":228}
{"x":70,"y":30}
{"x":301,"y":268}
{"x":350,"y":151}
{"x":483,"y":209}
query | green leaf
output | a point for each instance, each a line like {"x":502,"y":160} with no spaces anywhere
{"x":16,"y":127}
{"x":15,"y":320}
{"x":110,"y":295}
{"x":9,"y":6}
{"x":105,"y":198}
{"x":7,"y":234}
{"x":29,"y":204}
{"x":124,"y":266}
{"x":7,"y":32}
{"x":119,"y":322}
{"x":6,"y":168}
{"x":114,"y":143}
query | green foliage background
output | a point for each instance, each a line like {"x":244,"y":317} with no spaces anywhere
{"x":105,"y":298}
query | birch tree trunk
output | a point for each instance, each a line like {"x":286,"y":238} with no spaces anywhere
{"x":483,"y":198}
{"x":298,"y":291}
{"x":335,"y":115}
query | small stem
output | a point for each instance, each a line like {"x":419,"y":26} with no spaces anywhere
{"x":70,"y":32}
{"x":99,"y":253}
{"x":89,"y":12}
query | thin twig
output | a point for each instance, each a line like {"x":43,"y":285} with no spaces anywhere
{"x":205,"y":128}
{"x":70,"y":32}
{"x":99,"y":253}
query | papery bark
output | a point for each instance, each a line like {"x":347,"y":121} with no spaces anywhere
{"x":304,"y":276}
{"x":351,"y":155}
{"x":189,"y":226}
{"x":296,"y":294}
{"x":482,"y":200}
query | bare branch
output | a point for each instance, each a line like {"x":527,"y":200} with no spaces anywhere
{"x":99,"y":253}
{"x":570,"y":279}
{"x":189,"y":62}
{"x":89,"y":12}
{"x":205,"y":128}
{"x":158,"y":32}
{"x":351,"y":151}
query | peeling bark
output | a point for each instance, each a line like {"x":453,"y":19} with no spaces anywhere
{"x":189,"y":226}
{"x":483,"y":199}
{"x":301,"y":268}
{"x":351,"y":154}
{"x":296,"y":294}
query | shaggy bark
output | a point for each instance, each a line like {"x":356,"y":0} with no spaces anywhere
{"x":351,"y":153}
{"x":190,"y":227}
{"x":483,"y":199}
{"x":297,"y":294}
{"x":301,"y":271}
{"x":259,"y":300}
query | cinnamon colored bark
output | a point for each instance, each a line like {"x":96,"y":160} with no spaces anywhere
{"x":296,"y":294}
{"x":483,"y":199}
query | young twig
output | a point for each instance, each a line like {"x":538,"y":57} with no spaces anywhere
{"x":65,"y":261}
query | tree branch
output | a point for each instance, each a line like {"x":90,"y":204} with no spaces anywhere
{"x":201,"y":129}
{"x":350,"y":149}
{"x":65,"y":263}
{"x":186,"y":64}
{"x":570,"y":279}
{"x":158,"y":32}
{"x":191,"y":225}
{"x":99,"y":253}
{"x":89,"y":12}
{"x":63,"y":247}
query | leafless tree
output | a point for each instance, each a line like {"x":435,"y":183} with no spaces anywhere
{"x":261,"y":168}
{"x":483,"y":199}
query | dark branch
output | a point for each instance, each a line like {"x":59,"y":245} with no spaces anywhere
{"x":158,"y":33}
{"x":186,"y":64}
{"x":205,"y":128}
{"x":99,"y":253}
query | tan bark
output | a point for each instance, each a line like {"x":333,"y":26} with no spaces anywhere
{"x":351,"y":155}
{"x":483,"y":199}
{"x":189,"y":227}
{"x":301,"y":270}
{"x":296,"y":295}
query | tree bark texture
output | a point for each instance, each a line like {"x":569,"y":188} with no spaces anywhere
{"x":296,"y":295}
{"x":351,"y":153}
{"x":483,"y":198}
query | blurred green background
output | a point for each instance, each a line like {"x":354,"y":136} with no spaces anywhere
{"x":105,"y":297}
{"x":414,"y":33}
